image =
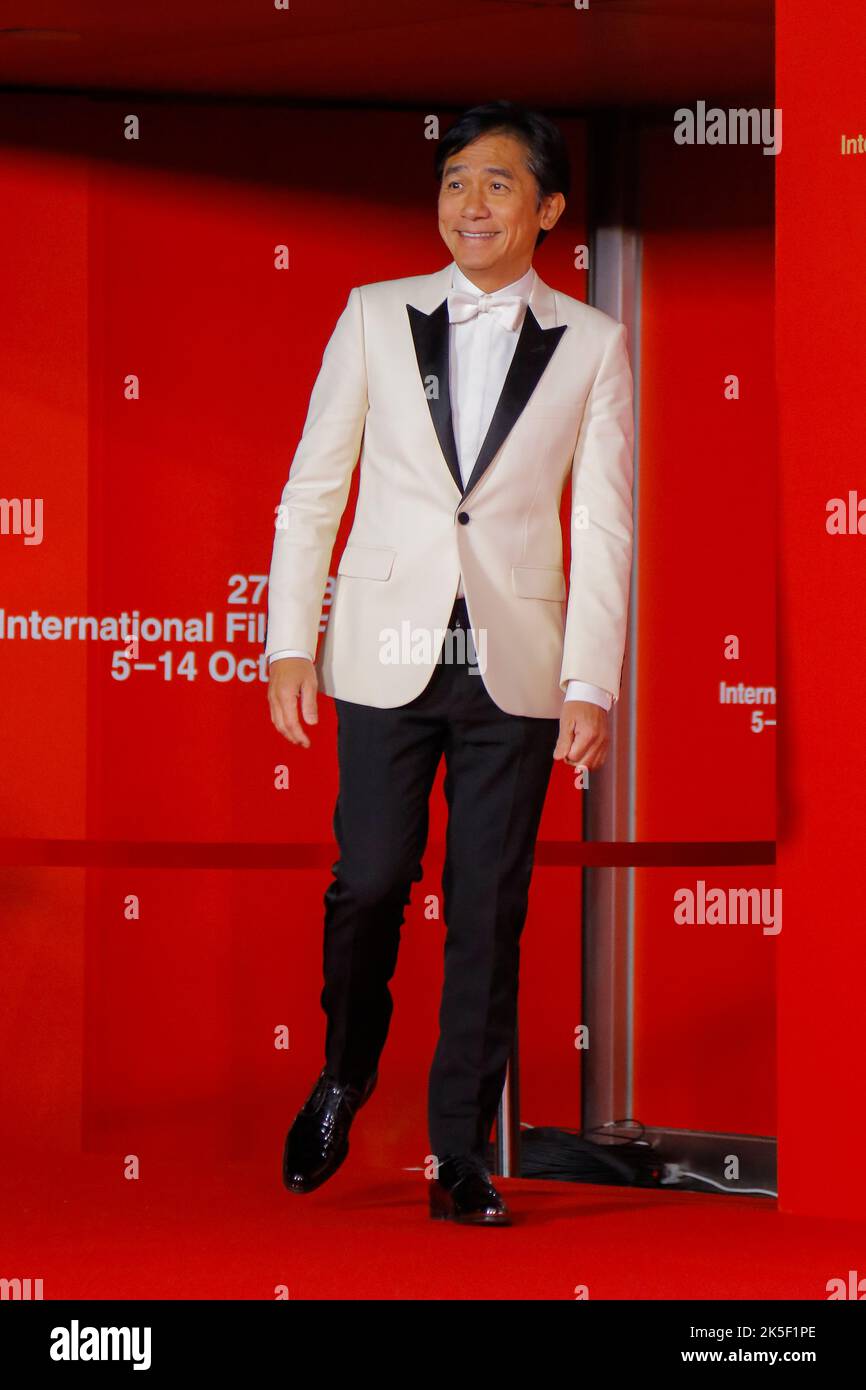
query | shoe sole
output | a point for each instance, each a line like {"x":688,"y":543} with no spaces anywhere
{"x":499,"y":1220}
{"x":442,"y":1210}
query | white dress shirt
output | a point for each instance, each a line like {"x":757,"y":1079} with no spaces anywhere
{"x":481,"y":349}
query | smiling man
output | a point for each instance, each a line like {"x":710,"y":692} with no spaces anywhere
{"x":473,"y":394}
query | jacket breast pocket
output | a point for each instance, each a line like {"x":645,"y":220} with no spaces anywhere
{"x":535,"y":581}
{"x":366,"y":561}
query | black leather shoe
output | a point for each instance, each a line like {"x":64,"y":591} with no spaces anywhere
{"x":318,"y":1141}
{"x":463,"y":1192}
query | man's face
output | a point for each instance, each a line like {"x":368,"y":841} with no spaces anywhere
{"x":489,"y":210}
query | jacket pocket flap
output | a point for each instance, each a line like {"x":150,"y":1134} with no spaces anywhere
{"x":533,"y":581}
{"x":366,"y":561}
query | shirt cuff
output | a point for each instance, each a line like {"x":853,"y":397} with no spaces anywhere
{"x":274,"y":656}
{"x":581,"y":690}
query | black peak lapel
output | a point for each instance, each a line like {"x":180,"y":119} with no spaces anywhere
{"x":535,"y":347}
{"x":430,"y":334}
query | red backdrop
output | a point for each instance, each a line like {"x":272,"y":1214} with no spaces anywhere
{"x":156,"y":259}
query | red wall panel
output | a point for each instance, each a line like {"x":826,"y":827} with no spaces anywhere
{"x":821,"y":348}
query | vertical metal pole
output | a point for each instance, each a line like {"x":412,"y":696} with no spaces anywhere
{"x":507,"y":1156}
{"x":608,"y":956}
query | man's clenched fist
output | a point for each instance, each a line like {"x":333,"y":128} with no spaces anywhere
{"x":583,"y":734}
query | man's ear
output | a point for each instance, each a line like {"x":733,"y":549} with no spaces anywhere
{"x":554,"y":206}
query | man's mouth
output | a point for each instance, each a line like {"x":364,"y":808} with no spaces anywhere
{"x":477,"y":236}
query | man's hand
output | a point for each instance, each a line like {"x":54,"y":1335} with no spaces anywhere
{"x":583,"y":734}
{"x":289,"y":677}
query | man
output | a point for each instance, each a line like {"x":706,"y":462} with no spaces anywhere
{"x":473,"y":394}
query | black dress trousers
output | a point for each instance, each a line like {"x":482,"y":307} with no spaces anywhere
{"x":497,"y":769}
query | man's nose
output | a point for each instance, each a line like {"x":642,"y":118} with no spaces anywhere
{"x":473,"y":203}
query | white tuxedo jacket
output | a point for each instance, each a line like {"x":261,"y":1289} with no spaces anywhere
{"x":383,"y":389}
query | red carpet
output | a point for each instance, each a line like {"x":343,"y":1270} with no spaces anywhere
{"x":234,"y":1232}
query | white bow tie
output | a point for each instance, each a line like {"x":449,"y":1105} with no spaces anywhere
{"x":463,"y":306}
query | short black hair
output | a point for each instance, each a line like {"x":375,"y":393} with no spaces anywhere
{"x":546,"y":150}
